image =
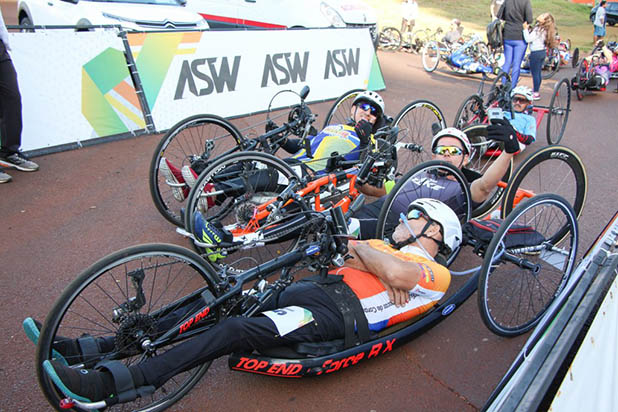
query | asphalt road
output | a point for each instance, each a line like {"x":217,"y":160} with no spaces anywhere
{"x":87,"y":203}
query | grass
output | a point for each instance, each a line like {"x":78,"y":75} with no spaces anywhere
{"x":571,"y":18}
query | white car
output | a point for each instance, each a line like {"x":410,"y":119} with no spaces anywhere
{"x":136,"y":15}
{"x":271,"y":14}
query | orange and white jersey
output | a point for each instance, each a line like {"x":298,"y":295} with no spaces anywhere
{"x":379,"y":310}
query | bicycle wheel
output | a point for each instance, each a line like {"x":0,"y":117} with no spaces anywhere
{"x":581,"y":79}
{"x":559,"y":109}
{"x":201,"y":139}
{"x":484,"y":152}
{"x":470,"y":112}
{"x":122,"y":299}
{"x":552,"y":64}
{"x":390,"y":39}
{"x":431,"y":56}
{"x":552,"y":169}
{"x":575,"y":58}
{"x":340,"y":112}
{"x":240,"y":182}
{"x":416,"y":123}
{"x":435,"y":179}
{"x":522,"y":274}
{"x":498,"y":88}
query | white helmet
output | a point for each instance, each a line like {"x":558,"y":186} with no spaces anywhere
{"x":523,"y":91}
{"x":452,"y":132}
{"x":444,"y":216}
{"x":372,"y":98}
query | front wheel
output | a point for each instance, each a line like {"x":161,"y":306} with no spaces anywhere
{"x":194,"y":142}
{"x":136,"y":293}
{"x":389,"y":39}
{"x":527,"y":264}
{"x":431,"y":56}
{"x":417,"y":121}
{"x":471,"y":112}
{"x":559,"y":109}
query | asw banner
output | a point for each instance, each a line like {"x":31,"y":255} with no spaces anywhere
{"x":75,"y":86}
{"x":237,"y":72}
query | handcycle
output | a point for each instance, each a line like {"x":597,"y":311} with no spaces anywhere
{"x":198,"y":140}
{"x":474,"y":108}
{"x":593,"y":74}
{"x":472,"y":56}
{"x":127,"y":293}
{"x":551,"y":64}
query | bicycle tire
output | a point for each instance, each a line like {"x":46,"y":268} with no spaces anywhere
{"x":479,"y":161}
{"x":230,"y":209}
{"x":496,"y":89}
{"x":513,"y":298}
{"x":470,"y":112}
{"x":87,"y":305}
{"x":553,"y":64}
{"x":551,"y":169}
{"x":430,"y":56}
{"x":340,"y":111}
{"x":559,"y":109}
{"x":415,"y":122}
{"x":582,"y":77}
{"x":403,"y":194}
{"x":186,"y":138}
{"x":389,"y":39}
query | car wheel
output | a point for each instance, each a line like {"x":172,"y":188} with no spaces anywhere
{"x":25,"y":21}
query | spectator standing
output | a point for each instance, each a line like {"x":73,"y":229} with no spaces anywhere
{"x":599,"y":22}
{"x":409,"y":14}
{"x":514,"y":13}
{"x":540,"y":38}
{"x":10,"y":113}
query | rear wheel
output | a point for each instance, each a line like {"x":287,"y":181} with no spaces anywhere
{"x":431,"y":56}
{"x":470,"y":112}
{"x":390,"y":39}
{"x":417,"y":122}
{"x":551,"y":64}
{"x":195,"y":142}
{"x":141,"y":291}
{"x":552,"y":169}
{"x":230,"y":191}
{"x":524,"y":272}
{"x":559,"y":109}
{"x":340,"y":112}
{"x":581,"y":78}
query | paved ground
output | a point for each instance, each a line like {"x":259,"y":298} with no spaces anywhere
{"x":86,"y":203}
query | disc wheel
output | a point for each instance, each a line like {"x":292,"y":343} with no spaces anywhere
{"x":341,"y":110}
{"x":522,"y":274}
{"x":417,"y":121}
{"x":431,"y":56}
{"x":484,"y":153}
{"x":140,"y":291}
{"x":230,"y":191}
{"x":471,"y":112}
{"x":552,"y":169}
{"x":436,"y":180}
{"x":195,"y":142}
{"x":559,"y":109}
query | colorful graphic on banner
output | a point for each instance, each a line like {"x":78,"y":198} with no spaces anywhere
{"x":109,"y":101}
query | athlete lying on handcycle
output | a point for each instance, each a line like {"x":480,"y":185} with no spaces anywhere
{"x":348,"y":140}
{"x":406,"y":282}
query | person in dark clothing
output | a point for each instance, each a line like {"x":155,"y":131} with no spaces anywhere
{"x":514,"y":13}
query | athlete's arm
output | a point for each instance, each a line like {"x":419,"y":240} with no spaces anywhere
{"x":482,"y":187}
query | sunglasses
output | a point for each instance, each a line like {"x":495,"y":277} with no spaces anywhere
{"x":368,"y":107}
{"x":520,"y":100}
{"x":413,"y":214}
{"x":448,"y":150}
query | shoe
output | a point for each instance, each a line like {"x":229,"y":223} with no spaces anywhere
{"x":173,"y":177}
{"x":536,"y":96}
{"x":33,"y":327}
{"x":206,"y":202}
{"x":19,"y":162}
{"x":4,"y":177}
{"x":85,"y":385}
{"x":188,"y":175}
{"x":211,"y":233}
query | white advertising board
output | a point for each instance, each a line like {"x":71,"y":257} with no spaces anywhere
{"x":75,"y":86}
{"x":237,"y":72}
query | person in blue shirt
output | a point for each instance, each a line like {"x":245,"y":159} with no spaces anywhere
{"x":521,"y":124}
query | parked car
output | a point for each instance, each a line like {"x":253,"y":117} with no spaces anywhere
{"x":272,"y":14}
{"x":611,"y":10}
{"x":130,"y":14}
